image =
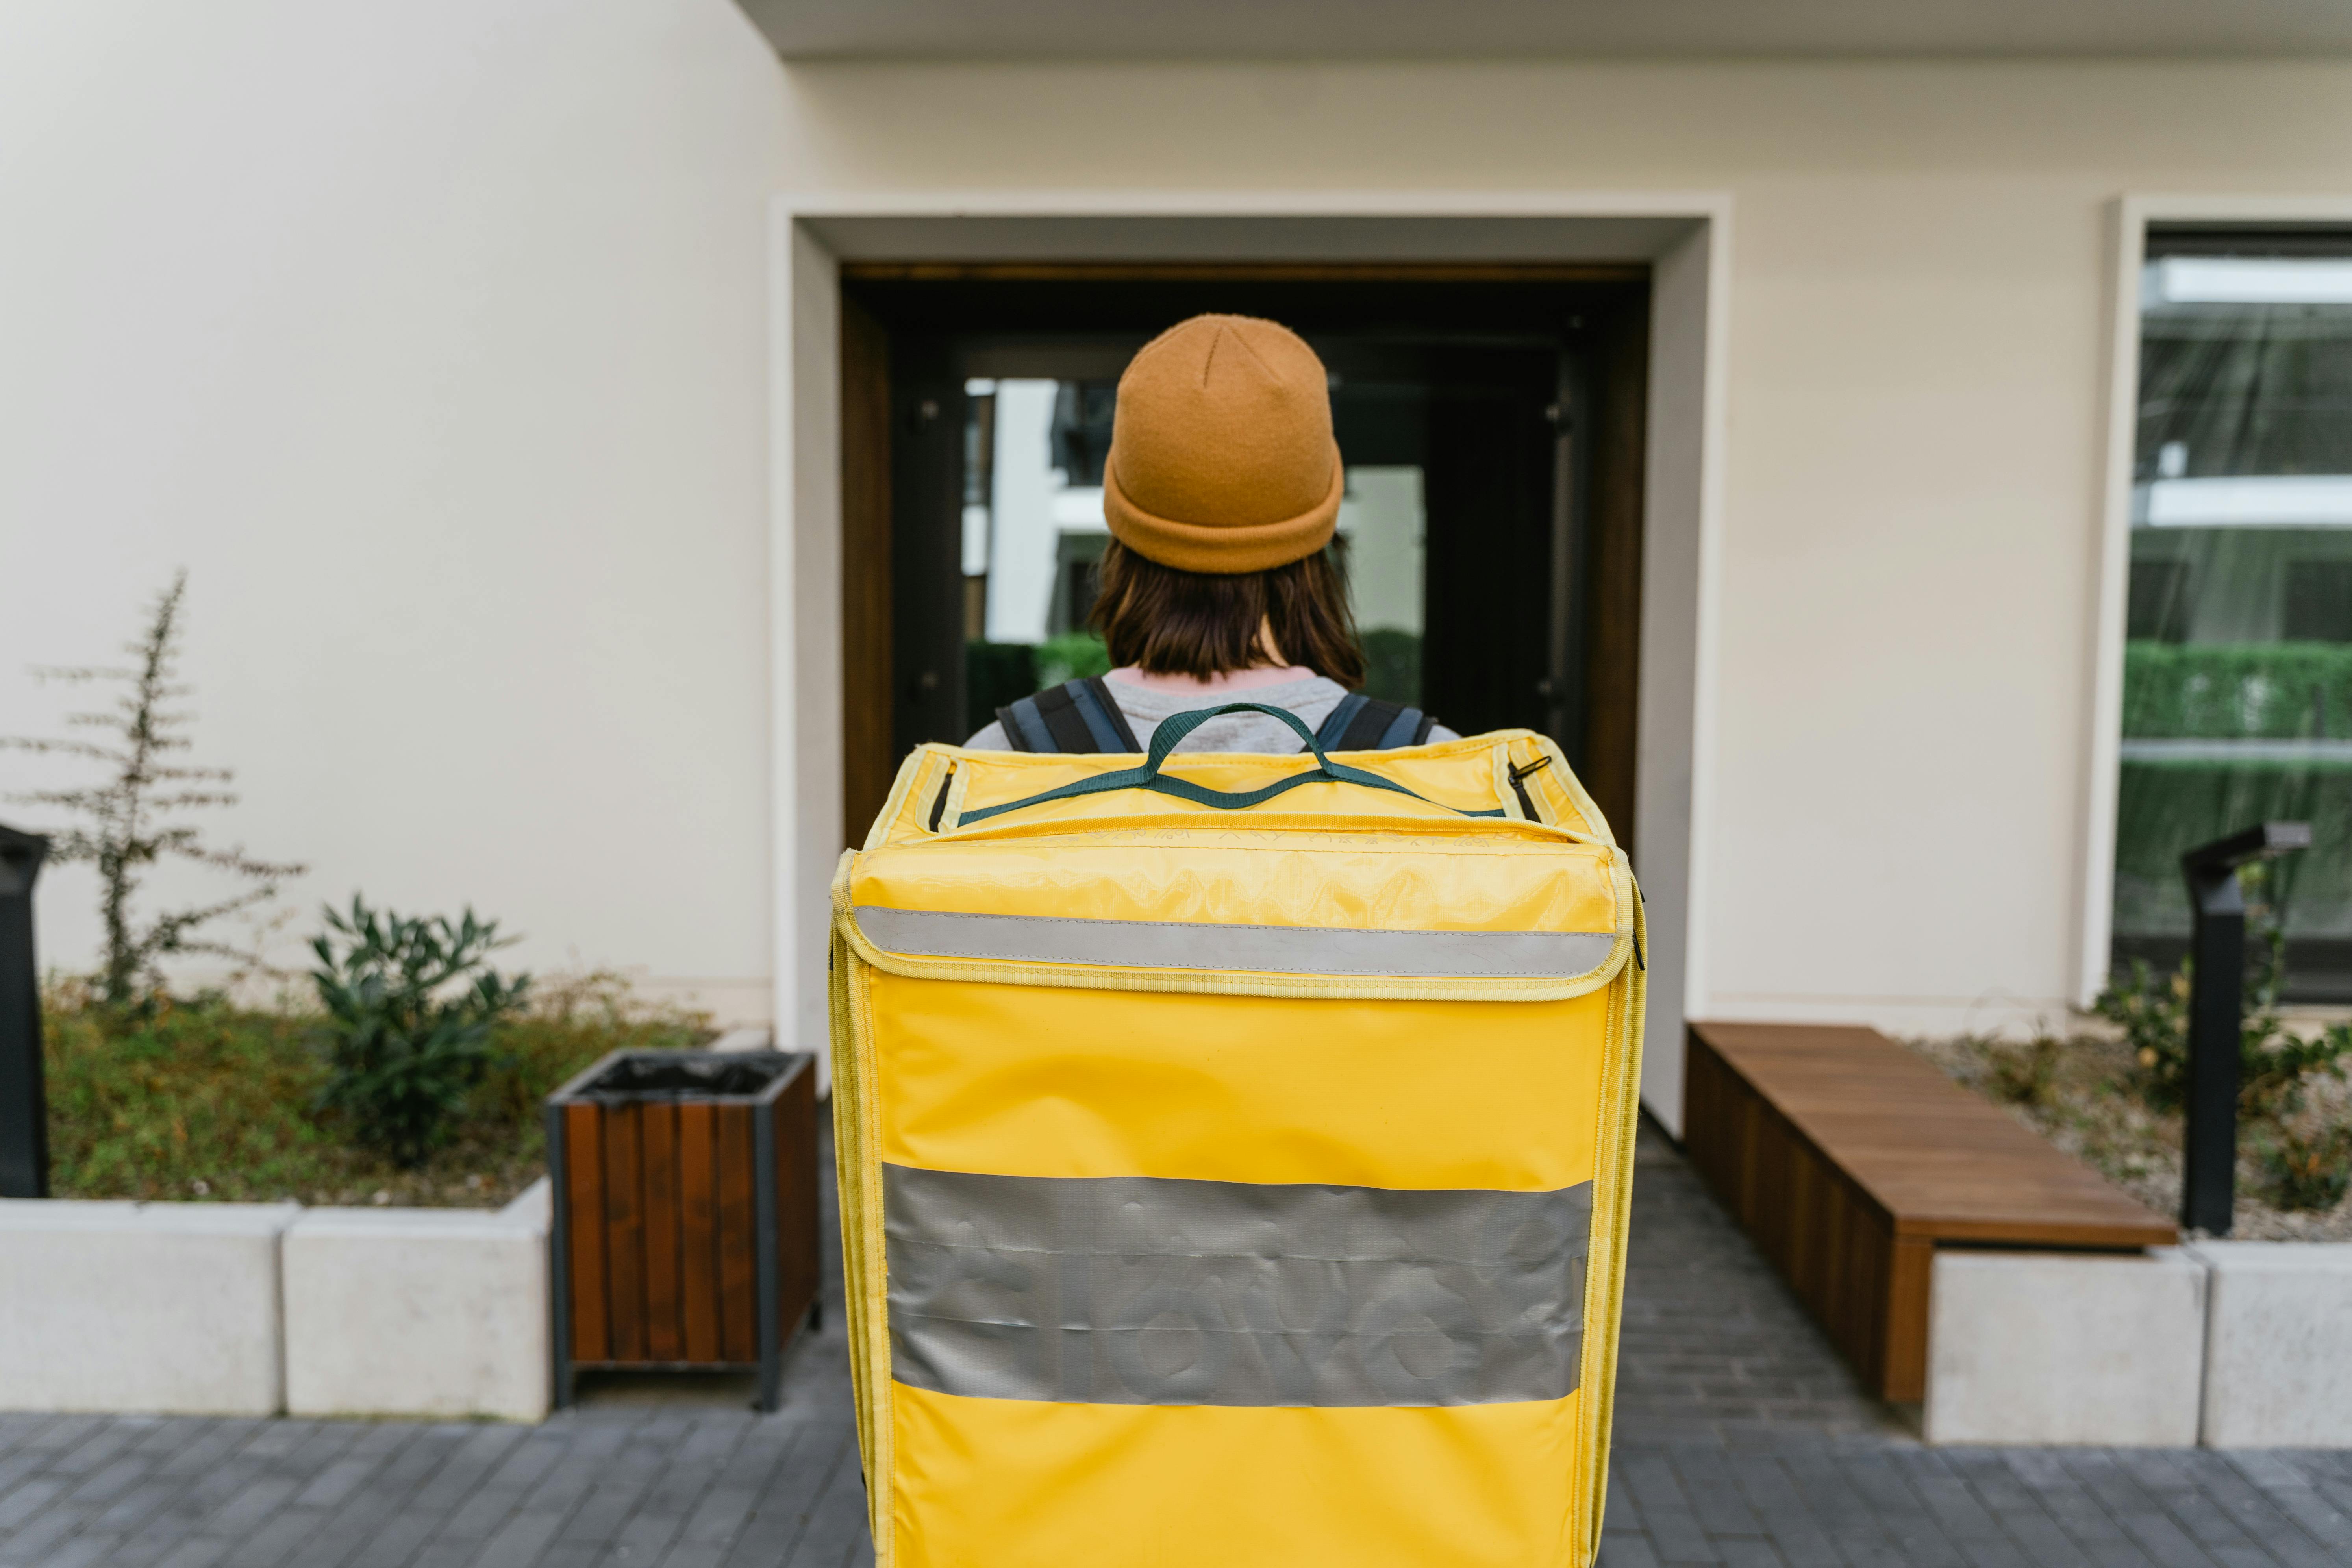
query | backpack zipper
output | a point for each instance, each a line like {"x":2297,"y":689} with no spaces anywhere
{"x":939,"y":802}
{"x":1527,"y":801}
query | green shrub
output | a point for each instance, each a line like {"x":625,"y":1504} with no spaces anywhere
{"x":410,"y":1003}
{"x":1393,"y":665}
{"x":2310,"y":1171}
{"x":1071,"y":657}
{"x":2272,"y":1062}
{"x":185,"y":1098}
{"x":2219,"y":689}
{"x":2022,"y":1075}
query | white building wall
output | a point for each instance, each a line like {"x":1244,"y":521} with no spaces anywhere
{"x":433,"y":339}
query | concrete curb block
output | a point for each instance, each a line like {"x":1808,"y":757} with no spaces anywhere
{"x":438,"y":1313}
{"x":261,"y":1308}
{"x":2278,"y":1344}
{"x":2057,"y":1347}
{"x":169,"y":1308}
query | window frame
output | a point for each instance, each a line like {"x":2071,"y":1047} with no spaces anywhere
{"x":2129,"y":218}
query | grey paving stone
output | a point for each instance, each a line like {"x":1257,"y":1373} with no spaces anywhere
{"x":1626,"y":1552}
{"x":2140,"y":1516}
{"x":21,"y":1501}
{"x":1667,"y":1517}
{"x":2282,"y":1479}
{"x":482,"y":1513}
{"x":837,"y":1525}
{"x":136,"y":1506}
{"x":1715,"y":1500}
{"x":81,"y":1551}
{"x":60,"y":1433}
{"x":205,"y":1447}
{"x":280,"y":1541}
{"x":21,"y":1426}
{"x":16,"y":1466}
{"x":98,"y":1445}
{"x":37,"y":1539}
{"x":517,"y":1542}
{"x":776,"y":1522}
{"x":2263,"y":1519}
{"x":199,"y":1553}
{"x":112,"y":1479}
{"x":351,"y":1527}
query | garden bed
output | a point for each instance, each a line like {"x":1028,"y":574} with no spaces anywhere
{"x":205,"y":1100}
{"x":2082,"y":1093}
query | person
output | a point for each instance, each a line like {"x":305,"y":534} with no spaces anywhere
{"x":1219,"y":583}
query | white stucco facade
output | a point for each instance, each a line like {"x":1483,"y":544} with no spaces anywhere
{"x":441,"y":343}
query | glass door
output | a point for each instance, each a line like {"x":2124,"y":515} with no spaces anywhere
{"x":1489,"y":530}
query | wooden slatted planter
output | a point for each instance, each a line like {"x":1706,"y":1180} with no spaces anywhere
{"x":686,"y":1205}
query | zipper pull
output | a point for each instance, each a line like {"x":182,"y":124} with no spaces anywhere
{"x":939,"y":802}
{"x":1527,"y":801}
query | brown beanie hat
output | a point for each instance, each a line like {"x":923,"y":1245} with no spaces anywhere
{"x":1222,"y":458}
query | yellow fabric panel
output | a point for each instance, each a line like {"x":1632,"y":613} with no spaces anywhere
{"x":1496,"y":882}
{"x":993,"y":1483}
{"x":1018,"y":1081}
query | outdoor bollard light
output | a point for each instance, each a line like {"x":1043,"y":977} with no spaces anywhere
{"x":24,"y":1104}
{"x":2216,"y":980}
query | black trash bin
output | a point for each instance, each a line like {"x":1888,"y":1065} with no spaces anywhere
{"x":23,"y":1102}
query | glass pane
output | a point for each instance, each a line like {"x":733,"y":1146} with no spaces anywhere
{"x":1034,"y":535}
{"x":1380,"y":526}
{"x":2238,"y":658}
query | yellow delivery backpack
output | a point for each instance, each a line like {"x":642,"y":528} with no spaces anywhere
{"x":1233,"y":1156}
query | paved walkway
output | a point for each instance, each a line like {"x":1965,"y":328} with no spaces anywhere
{"x":1741,"y":1441}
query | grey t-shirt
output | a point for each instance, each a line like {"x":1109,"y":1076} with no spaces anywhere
{"x":1312,"y":699}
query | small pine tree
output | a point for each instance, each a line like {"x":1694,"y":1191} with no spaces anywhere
{"x":127,"y":823}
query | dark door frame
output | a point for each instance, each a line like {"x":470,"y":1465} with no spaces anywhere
{"x":1607,"y":613}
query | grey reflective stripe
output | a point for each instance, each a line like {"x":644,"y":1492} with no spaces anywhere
{"x":1279,"y":950}
{"x":1143,"y":1291}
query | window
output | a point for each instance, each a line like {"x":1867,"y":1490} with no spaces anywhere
{"x":2238,"y":661}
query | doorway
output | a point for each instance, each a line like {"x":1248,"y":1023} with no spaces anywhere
{"x":1491,"y":419}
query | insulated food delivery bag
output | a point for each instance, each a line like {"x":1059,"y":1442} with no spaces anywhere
{"x":1233,"y":1155}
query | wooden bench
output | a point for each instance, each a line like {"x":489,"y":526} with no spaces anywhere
{"x":1850,"y":1159}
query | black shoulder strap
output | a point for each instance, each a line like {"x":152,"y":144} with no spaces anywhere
{"x":1361,"y":723}
{"x":1077,"y":717}
{"x":1095,"y":690}
{"x":1016,"y":737}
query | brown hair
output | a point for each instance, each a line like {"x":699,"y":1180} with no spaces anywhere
{"x":1167,"y":622}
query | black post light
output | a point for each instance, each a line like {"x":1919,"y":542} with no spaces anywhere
{"x":2216,"y":1002}
{"x":23,"y":1102}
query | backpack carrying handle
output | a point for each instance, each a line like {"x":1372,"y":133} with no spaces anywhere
{"x":1173,"y":729}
